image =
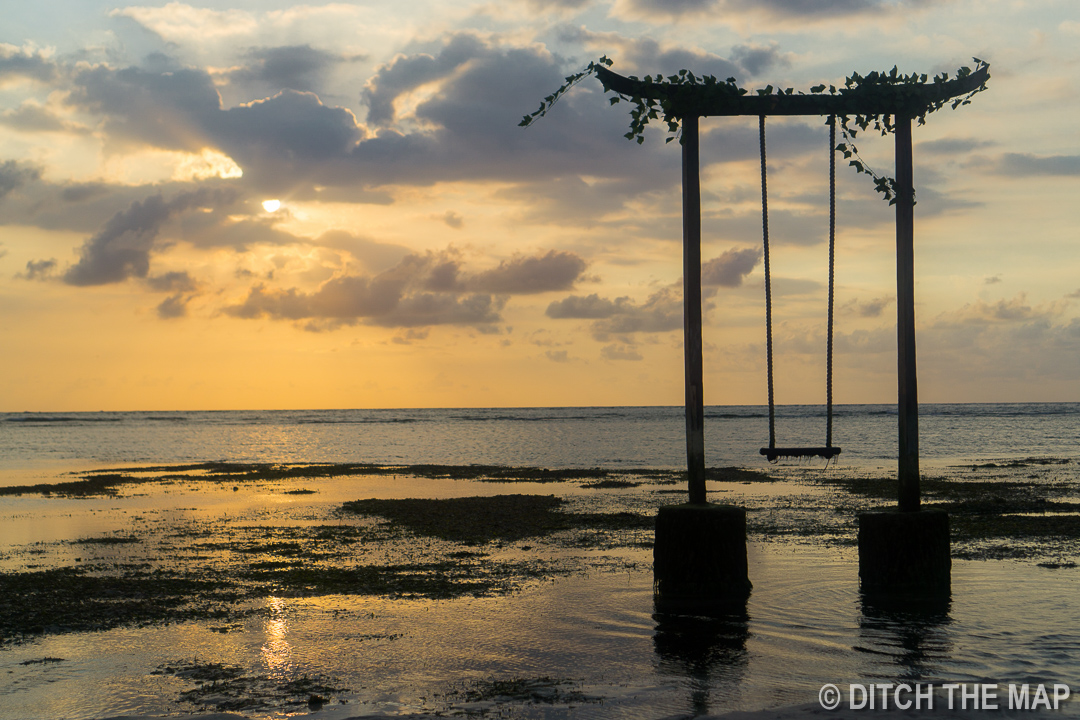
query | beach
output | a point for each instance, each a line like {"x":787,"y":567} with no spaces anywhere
{"x":338,"y":590}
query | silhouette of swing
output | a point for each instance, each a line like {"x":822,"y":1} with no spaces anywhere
{"x":774,"y":453}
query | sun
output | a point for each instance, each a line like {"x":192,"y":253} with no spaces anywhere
{"x":271,"y":205}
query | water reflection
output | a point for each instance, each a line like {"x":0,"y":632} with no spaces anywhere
{"x":276,"y":649}
{"x":706,"y":645}
{"x":908,"y":634}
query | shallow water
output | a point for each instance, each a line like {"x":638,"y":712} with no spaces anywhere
{"x":804,"y":626}
{"x":590,"y":643}
{"x":618,"y":437}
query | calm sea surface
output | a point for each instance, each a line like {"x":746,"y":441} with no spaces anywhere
{"x":592,"y":633}
{"x":615,"y":437}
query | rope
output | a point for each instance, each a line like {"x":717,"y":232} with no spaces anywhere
{"x":832,"y":266}
{"x":768,"y":284}
{"x":828,"y":452}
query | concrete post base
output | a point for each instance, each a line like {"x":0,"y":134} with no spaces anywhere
{"x":699,"y":556}
{"x":904,"y":552}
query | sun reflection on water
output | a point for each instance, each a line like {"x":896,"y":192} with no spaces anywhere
{"x":277,"y":650}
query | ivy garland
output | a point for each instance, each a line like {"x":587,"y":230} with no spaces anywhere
{"x":709,"y":87}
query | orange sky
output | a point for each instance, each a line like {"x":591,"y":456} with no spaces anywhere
{"x":267,"y":205}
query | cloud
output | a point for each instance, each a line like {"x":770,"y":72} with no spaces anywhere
{"x":555,"y":270}
{"x":121,"y":249}
{"x":32,"y":117}
{"x":620,"y":352}
{"x":559,"y":356}
{"x":661,"y":312}
{"x":952,"y":146}
{"x":179,"y":22}
{"x":730,"y":268}
{"x":25,"y":63}
{"x":445,"y":115}
{"x":421,"y":290}
{"x":590,"y":307}
{"x":756,"y":59}
{"x":869,"y":308}
{"x":14,"y":175}
{"x":172,"y":282}
{"x":557,"y":5}
{"x":172,"y":307}
{"x":279,"y":140}
{"x":80,"y":192}
{"x":777,"y":9}
{"x":38,"y":270}
{"x":1028,"y":165}
{"x":292,"y":67}
{"x":408,"y":72}
{"x":452,"y":219}
{"x":375,"y":256}
{"x":1011,"y":311}
{"x":174,"y":109}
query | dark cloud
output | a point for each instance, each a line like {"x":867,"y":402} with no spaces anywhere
{"x":290,"y":135}
{"x":408,"y":72}
{"x":172,"y":307}
{"x":1013,"y":310}
{"x":175,"y":110}
{"x":174,"y":282}
{"x":661,"y":312}
{"x":1028,"y":165}
{"x":650,"y":58}
{"x":31,"y":117}
{"x":557,"y":5}
{"x":780,"y":9}
{"x":80,"y":192}
{"x":14,"y":175}
{"x":731,"y":267}
{"x":559,"y":356}
{"x":868,"y":308}
{"x":292,"y":67}
{"x":121,"y":249}
{"x":38,"y":269}
{"x":452,"y":219}
{"x":809,"y":8}
{"x":291,"y":144}
{"x":756,"y":59}
{"x":521,"y":275}
{"x":25,"y":63}
{"x":421,"y":290}
{"x":590,"y":307}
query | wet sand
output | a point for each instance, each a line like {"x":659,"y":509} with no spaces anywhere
{"x":226,"y":553}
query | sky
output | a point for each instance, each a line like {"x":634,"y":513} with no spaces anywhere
{"x":264,"y":204}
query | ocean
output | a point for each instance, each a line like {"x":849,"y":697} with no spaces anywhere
{"x":218,"y":573}
{"x":609,"y":437}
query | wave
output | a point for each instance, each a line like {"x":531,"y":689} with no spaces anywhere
{"x":58,"y":419}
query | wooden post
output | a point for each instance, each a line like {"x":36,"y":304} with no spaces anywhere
{"x":907,"y":388}
{"x":695,"y":404}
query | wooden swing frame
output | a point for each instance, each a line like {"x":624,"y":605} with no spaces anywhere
{"x":903,"y":102}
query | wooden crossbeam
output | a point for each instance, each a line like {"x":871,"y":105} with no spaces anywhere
{"x":909,"y":100}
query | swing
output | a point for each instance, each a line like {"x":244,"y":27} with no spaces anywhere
{"x":773,"y":453}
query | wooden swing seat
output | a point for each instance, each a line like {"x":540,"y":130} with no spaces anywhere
{"x":774,"y":454}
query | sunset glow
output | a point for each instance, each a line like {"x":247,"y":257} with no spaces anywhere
{"x":277,"y":205}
